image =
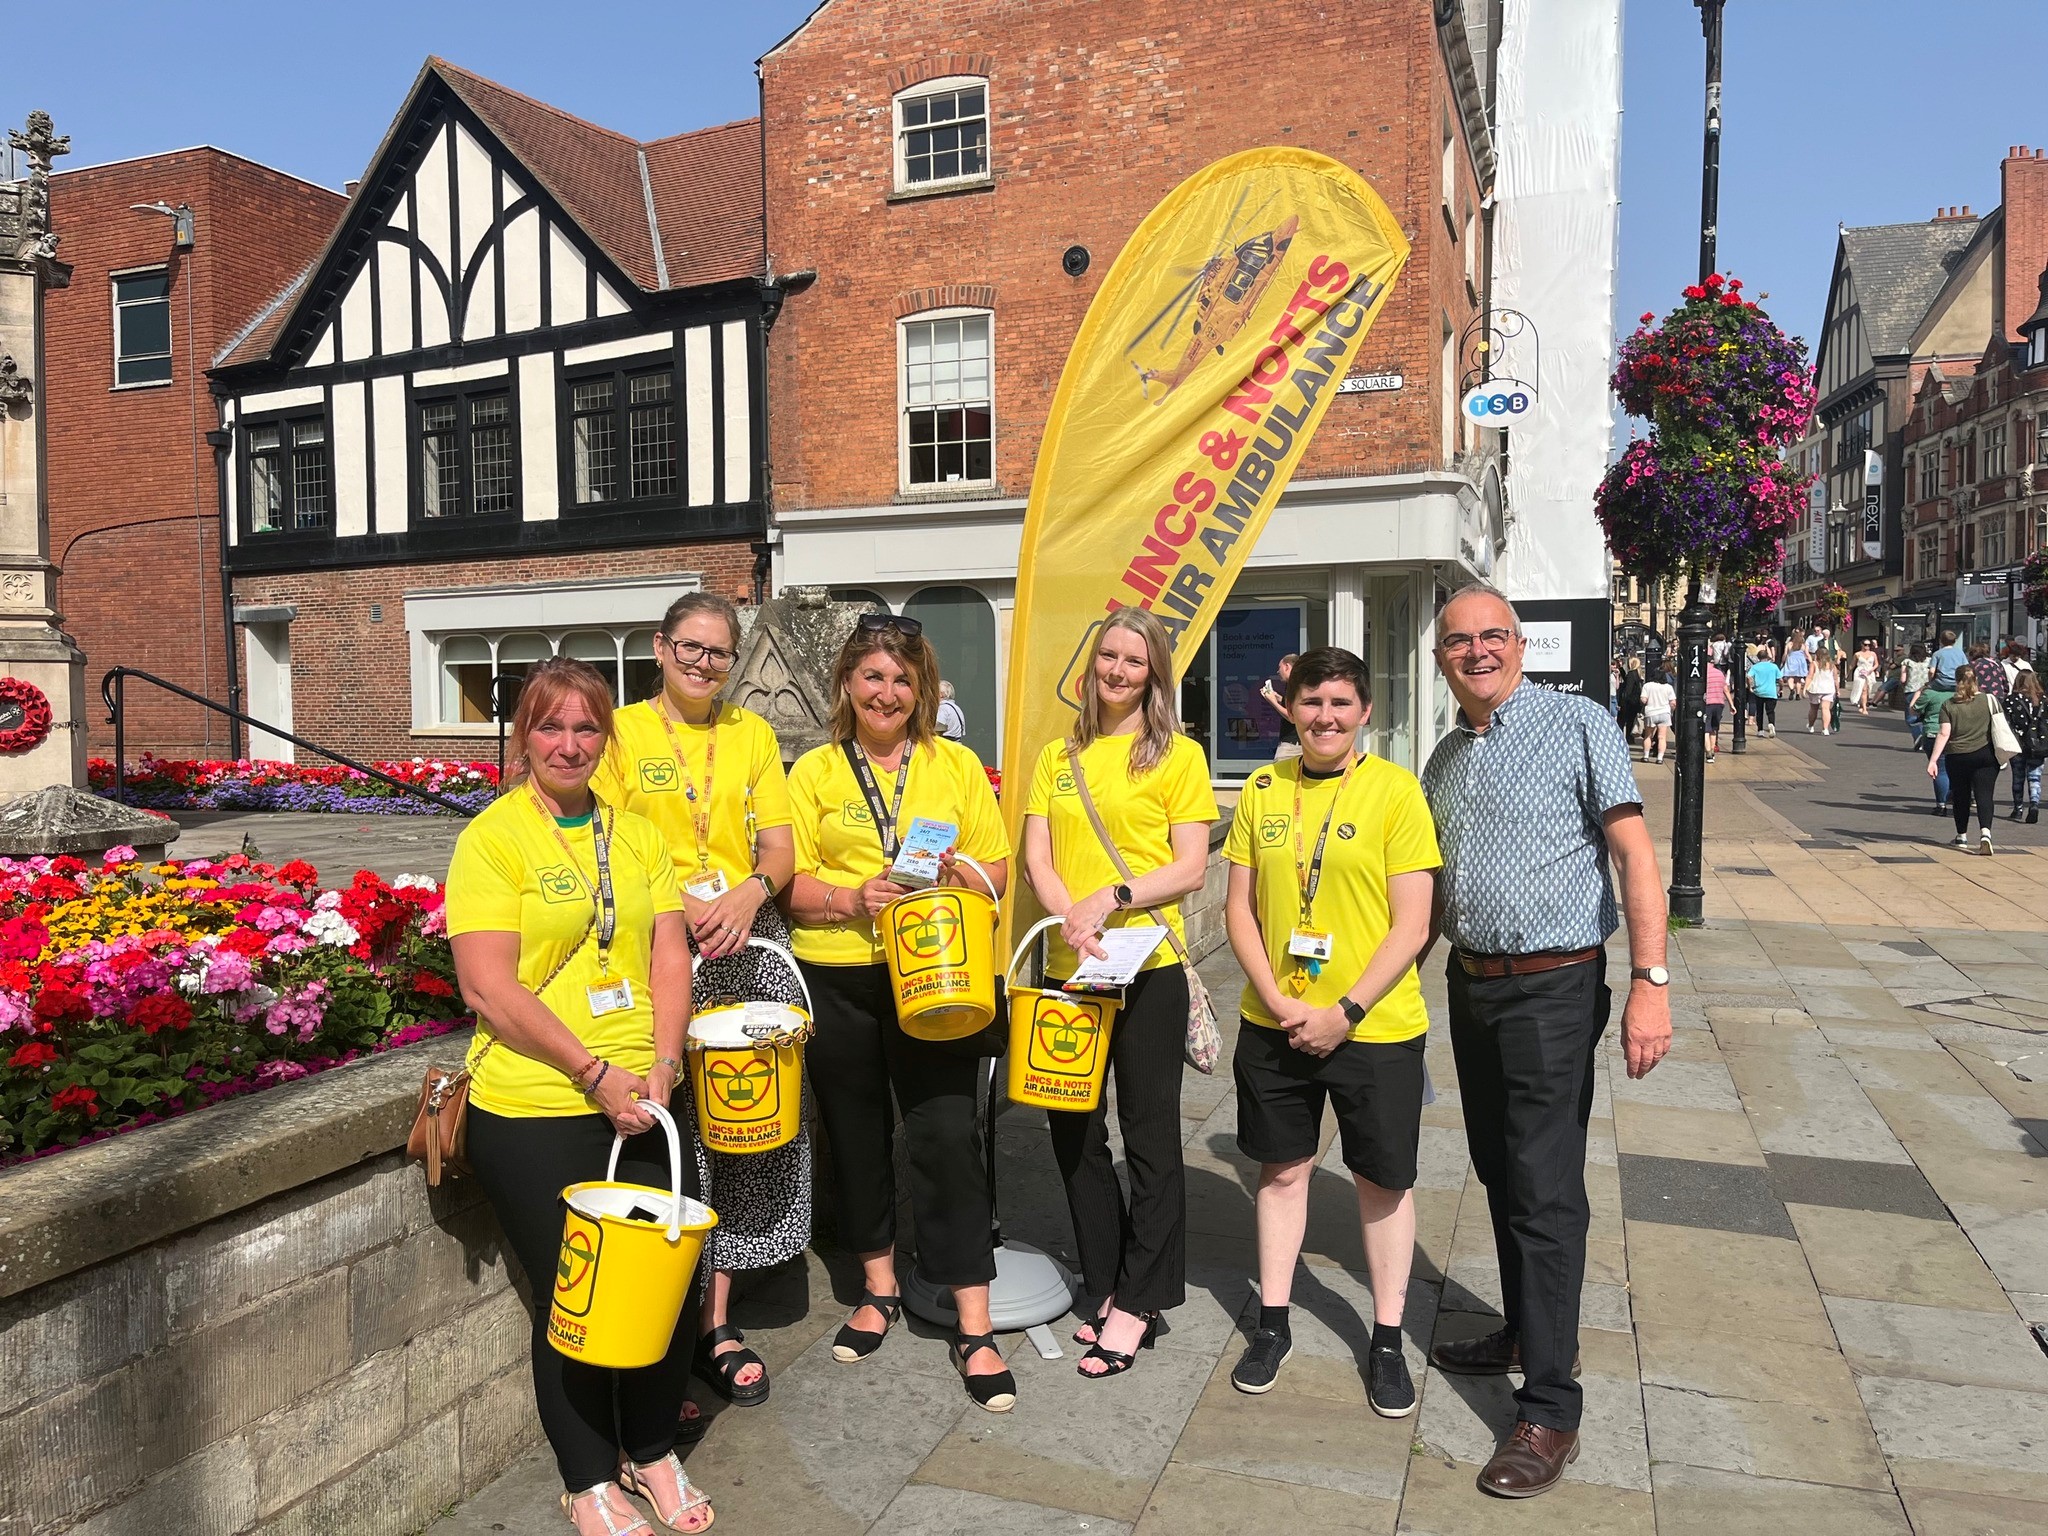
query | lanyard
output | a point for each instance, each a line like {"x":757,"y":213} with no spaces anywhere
{"x":864,"y":773}
{"x":700,"y":806}
{"x":1310,"y":874}
{"x":600,"y":893}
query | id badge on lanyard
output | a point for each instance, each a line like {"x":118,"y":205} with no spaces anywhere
{"x":708,"y":883}
{"x":885,"y":820}
{"x":609,"y":993}
{"x":1311,"y":947}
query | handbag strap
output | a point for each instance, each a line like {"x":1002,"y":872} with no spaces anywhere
{"x":1115,"y":854}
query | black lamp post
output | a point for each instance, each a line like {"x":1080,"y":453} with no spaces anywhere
{"x":1688,"y":896}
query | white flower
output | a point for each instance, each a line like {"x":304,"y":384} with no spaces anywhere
{"x":327,"y":901}
{"x":330,"y":927}
{"x":414,"y":883}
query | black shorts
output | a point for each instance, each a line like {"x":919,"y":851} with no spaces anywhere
{"x":1375,"y":1085}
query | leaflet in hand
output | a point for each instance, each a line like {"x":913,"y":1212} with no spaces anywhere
{"x":1127,"y":950}
{"x":917,"y":857}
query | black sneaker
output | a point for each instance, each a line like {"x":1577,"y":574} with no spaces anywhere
{"x":1259,"y":1366}
{"x":1388,"y":1388}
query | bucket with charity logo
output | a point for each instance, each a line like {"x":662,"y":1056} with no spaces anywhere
{"x":628,"y":1254}
{"x":941,"y":947}
{"x":1059,"y":1041}
{"x":747,"y":1067}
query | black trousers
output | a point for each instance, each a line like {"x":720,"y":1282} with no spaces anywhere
{"x":1972,"y":775}
{"x":857,"y":1058}
{"x":590,"y":1413}
{"x":1136,"y":1249}
{"x":1766,"y":710}
{"x":1524,"y":1047}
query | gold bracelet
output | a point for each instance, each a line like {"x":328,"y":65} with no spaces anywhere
{"x":671,"y":1063}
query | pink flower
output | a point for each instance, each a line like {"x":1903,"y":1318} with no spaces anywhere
{"x":120,"y":853}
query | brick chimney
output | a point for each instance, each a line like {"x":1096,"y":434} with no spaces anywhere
{"x":2023,"y":179}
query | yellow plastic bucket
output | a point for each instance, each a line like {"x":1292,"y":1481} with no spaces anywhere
{"x":1059,"y":1041}
{"x":941,"y":947}
{"x":747,"y":1068}
{"x":621,"y":1280}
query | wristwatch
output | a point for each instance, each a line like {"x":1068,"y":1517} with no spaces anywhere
{"x":766,"y":884}
{"x":1353,"y":1014}
{"x":1655,"y":975}
{"x":1122,"y":895}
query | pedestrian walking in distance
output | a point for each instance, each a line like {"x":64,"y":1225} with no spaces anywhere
{"x":1659,"y":700}
{"x":1535,"y":803}
{"x":1964,"y":743}
{"x":1763,"y":692}
{"x":2027,"y":708}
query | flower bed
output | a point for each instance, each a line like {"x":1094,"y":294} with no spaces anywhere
{"x":130,"y":993}
{"x":185,"y":784}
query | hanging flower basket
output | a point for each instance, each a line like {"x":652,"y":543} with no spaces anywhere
{"x":2034,"y":582}
{"x":1831,"y":606}
{"x":1717,"y":367}
{"x":1670,"y":509}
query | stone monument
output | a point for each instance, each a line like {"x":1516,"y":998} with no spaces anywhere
{"x":42,"y":674}
{"x":784,"y":671}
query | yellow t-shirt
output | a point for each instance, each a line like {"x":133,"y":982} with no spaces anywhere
{"x":1138,"y":813}
{"x":508,"y":876}
{"x":639,"y":772}
{"x":1381,"y":828}
{"x":836,"y":839}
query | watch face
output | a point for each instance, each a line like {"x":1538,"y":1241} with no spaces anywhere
{"x":1656,"y":976}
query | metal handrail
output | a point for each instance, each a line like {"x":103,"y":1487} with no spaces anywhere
{"x":113,"y":693}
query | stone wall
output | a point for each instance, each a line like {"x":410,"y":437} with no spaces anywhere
{"x":255,"y":1320}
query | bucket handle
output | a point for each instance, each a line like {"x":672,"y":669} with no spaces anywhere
{"x":697,"y":963}
{"x":1025,"y":943}
{"x":675,"y":1166}
{"x":961,"y":858}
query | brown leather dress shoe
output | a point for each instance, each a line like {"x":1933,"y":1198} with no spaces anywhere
{"x":1493,"y":1354}
{"x":1529,"y":1461}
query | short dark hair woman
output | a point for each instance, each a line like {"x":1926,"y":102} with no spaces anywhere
{"x":849,"y":801}
{"x":1150,"y":785}
{"x":569,"y":943}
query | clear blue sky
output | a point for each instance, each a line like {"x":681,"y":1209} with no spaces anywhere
{"x":1820,"y":126}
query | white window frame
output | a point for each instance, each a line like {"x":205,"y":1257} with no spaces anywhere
{"x":939,"y":86}
{"x":114,"y":308}
{"x":903,"y":324}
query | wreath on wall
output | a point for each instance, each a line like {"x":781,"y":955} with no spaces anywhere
{"x":25,"y":711}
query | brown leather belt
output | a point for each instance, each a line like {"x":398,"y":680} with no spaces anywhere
{"x":1523,"y":965}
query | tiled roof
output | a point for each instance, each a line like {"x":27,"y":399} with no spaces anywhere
{"x":1898,"y":271}
{"x":707,"y":200}
{"x":704,"y":187}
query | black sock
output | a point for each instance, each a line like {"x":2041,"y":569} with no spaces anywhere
{"x":1274,"y":1318}
{"x":1386,"y":1336}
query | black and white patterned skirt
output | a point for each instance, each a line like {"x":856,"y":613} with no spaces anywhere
{"x":763,"y":1199}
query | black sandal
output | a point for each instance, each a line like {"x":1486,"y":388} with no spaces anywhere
{"x":998,"y":1392}
{"x":851,"y":1343}
{"x":1117,"y":1362}
{"x":722,"y":1370}
{"x":1100,"y":1317}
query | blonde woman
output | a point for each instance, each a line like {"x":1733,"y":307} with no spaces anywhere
{"x":709,"y":775}
{"x":1823,"y":688}
{"x":1150,"y":786}
{"x":569,"y":943}
{"x":850,"y":801}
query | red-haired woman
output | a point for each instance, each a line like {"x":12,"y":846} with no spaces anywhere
{"x":567,"y":928}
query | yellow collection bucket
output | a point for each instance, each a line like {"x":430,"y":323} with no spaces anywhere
{"x":1059,"y":1041}
{"x":941,"y":947}
{"x":747,"y":1068}
{"x":628,"y":1254}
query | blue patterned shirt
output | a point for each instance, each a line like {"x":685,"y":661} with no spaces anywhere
{"x":1520,"y":818}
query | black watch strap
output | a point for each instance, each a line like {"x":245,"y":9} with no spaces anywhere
{"x":1123,"y":895}
{"x":1351,"y":1010}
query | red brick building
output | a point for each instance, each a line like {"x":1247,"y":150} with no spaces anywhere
{"x":513,"y":408}
{"x":134,"y":496}
{"x":933,"y":164}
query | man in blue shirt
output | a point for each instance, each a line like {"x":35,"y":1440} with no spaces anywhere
{"x":1763,"y":692}
{"x":1946,"y":663}
{"x":1534,"y":802}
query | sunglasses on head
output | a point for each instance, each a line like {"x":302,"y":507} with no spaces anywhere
{"x":875,"y":623}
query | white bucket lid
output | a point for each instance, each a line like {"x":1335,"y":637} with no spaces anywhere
{"x":620,"y":1200}
{"x":725,"y":1029}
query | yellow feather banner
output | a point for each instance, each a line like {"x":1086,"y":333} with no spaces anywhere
{"x":1203,"y":368}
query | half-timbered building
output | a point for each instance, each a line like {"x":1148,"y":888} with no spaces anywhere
{"x":512,"y":410}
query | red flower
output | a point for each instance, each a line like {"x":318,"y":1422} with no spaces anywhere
{"x":67,"y":864}
{"x":298,"y":872}
{"x":1695,"y":292}
{"x":1649,"y":316}
{"x":50,"y":888}
{"x":77,"y":1096}
{"x":22,"y":938}
{"x":57,"y":1004}
{"x":34,"y":1055}
{"x":247,"y":942}
{"x":429,"y":984}
{"x":165,"y":1011}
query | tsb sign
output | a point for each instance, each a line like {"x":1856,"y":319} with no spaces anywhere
{"x":1497,"y":402}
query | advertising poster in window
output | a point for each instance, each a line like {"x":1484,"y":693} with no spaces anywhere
{"x":1250,"y":640}
{"x":1569,"y":645}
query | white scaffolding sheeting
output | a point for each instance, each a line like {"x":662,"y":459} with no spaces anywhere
{"x":1558,"y":132}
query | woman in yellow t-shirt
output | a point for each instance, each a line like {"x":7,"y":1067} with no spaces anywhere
{"x":849,"y":800}
{"x":1331,"y":859}
{"x":569,"y":943}
{"x":1150,"y":784}
{"x":709,"y":776}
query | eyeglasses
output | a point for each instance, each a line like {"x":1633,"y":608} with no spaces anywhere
{"x":691,"y":654}
{"x":875,"y":623}
{"x":1485,"y":640}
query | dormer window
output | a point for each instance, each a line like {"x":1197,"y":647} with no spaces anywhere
{"x":942,"y":134}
